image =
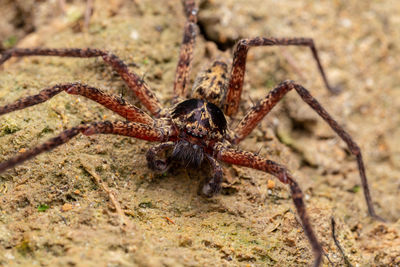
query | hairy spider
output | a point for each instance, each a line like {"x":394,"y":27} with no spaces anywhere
{"x":195,"y":130}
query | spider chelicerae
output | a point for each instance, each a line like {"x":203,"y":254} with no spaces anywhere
{"x":193,"y":131}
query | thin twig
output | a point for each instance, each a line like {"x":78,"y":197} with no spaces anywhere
{"x":61,"y":4}
{"x":299,"y":222}
{"x":124,"y":221}
{"x":88,"y":13}
{"x":64,"y":219}
{"x":169,"y":220}
{"x":346,"y":259}
{"x":327,"y":256}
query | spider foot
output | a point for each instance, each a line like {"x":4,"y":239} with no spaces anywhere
{"x":153,"y":159}
{"x":211,"y":187}
{"x":155,"y":164}
{"x":335,"y":90}
{"x":377,"y":217}
{"x":5,"y":55}
{"x":158,"y":165}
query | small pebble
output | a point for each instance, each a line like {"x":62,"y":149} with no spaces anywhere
{"x":270,"y":184}
{"x":66,"y":207}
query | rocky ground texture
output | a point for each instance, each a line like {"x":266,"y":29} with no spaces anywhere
{"x":52,"y":210}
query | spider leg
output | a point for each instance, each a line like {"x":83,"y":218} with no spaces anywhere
{"x":114,"y":103}
{"x":257,"y":112}
{"x":157,"y":164}
{"x":248,"y":159}
{"x":134,"y":82}
{"x":213,"y":185}
{"x":132,"y":129}
{"x":186,"y":52}
{"x":239,"y":65}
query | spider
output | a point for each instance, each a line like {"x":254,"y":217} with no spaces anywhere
{"x":193,"y":131}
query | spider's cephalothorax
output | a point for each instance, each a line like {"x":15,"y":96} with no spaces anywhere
{"x":194,"y":130}
{"x":200,"y":125}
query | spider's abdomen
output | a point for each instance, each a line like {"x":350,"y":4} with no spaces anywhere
{"x":211,"y":84}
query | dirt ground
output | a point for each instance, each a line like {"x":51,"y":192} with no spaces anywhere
{"x":52,"y":212}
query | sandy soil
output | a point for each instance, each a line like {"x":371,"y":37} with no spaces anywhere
{"x":52,"y":212}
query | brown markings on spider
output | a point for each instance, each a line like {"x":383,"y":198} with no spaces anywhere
{"x":195,"y":130}
{"x":211,"y":84}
